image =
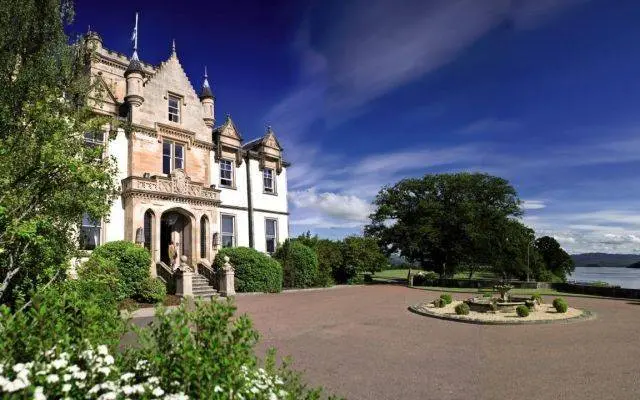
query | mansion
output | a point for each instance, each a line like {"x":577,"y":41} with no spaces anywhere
{"x":184,"y":177}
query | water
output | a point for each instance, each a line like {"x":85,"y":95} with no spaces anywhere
{"x":624,"y":277}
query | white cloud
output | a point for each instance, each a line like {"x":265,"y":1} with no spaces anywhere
{"x":332,"y":205}
{"x":490,"y":125}
{"x":533,"y":204}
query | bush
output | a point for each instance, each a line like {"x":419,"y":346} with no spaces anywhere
{"x":560,"y":305}
{"x":546,"y":276}
{"x":152,"y":290}
{"x":132,"y":262}
{"x":522,"y":311}
{"x":299,"y":264}
{"x":537,"y":297}
{"x":254,"y":271}
{"x":362,"y":254}
{"x":447,"y":298}
{"x":439,"y":303}
{"x":493,"y":305}
{"x":486,"y":295}
{"x":424,"y":278}
{"x":462,"y":309}
{"x":330,"y":260}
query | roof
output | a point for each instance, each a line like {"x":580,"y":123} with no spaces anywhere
{"x":134,"y":65}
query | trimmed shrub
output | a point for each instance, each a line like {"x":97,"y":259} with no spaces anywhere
{"x":254,"y":271}
{"x":537,"y":297}
{"x":424,"y":278}
{"x":152,"y":290}
{"x":560,"y":305}
{"x":522,"y":311}
{"x":131,"y":261}
{"x":299,"y":264}
{"x":486,"y":295}
{"x":329,"y":254}
{"x":447,"y":298}
{"x":439,"y":303}
{"x":462,"y":309}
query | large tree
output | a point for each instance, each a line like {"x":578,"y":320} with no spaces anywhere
{"x":444,"y":220}
{"x":49,"y":178}
{"x":556,"y":260}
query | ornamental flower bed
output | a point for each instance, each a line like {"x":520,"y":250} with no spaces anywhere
{"x":92,"y":374}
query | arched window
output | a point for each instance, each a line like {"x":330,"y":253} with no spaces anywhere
{"x":148,"y":228}
{"x":203,"y":236}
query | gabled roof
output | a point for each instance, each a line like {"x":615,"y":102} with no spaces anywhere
{"x":268,"y":139}
{"x":228,"y":128}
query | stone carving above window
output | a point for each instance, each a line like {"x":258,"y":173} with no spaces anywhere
{"x":178,"y":185}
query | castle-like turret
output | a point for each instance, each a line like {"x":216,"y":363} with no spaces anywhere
{"x":134,"y":74}
{"x":207,"y":99}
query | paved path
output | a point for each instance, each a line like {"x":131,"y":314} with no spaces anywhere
{"x":362,"y":343}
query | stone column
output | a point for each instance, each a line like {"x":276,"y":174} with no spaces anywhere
{"x":184,"y":279}
{"x":227,"y":286}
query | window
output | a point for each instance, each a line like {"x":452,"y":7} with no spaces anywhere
{"x":94,"y":139}
{"x":172,"y":156}
{"x":174,"y":108}
{"x":148,"y":217}
{"x":267,"y":179}
{"x":271,"y":234}
{"x":203,"y":236}
{"x":226,"y":173}
{"x":89,"y":233}
{"x":228,"y":230}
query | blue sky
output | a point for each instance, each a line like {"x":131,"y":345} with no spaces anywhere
{"x":545,"y":93}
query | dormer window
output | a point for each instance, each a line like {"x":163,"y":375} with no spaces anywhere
{"x":172,"y":156}
{"x":174,"y":108}
{"x":267,"y":179}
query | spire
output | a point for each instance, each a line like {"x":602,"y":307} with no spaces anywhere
{"x":206,"y":92}
{"x":134,"y":64}
{"x":173,"y":48}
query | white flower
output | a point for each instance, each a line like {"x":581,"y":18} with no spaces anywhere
{"x":93,"y":390}
{"x":19,"y":367}
{"x":272,"y":396}
{"x":255,"y":390}
{"x":73,"y":368}
{"x":52,"y":378}
{"x":15,"y":385}
{"x":104,"y":370}
{"x":154,"y":380}
{"x":127,"y":389}
{"x":80,"y":375}
{"x":157,"y":392}
{"x":108,"y":360}
{"x":178,"y":396}
{"x":66,"y":377}
{"x":39,"y":394}
{"x":217,"y":389}
{"x":66,"y":387}
{"x":127,"y":376}
{"x":59,"y":363}
{"x":108,"y":396}
{"x":103,"y":350}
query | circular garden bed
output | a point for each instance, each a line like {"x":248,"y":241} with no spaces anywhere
{"x":540,"y":313}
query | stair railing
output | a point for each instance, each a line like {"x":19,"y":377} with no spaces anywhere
{"x":165,"y":274}
{"x":206,"y":270}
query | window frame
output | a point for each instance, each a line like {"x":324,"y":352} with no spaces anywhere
{"x":82,"y":226}
{"x":172,"y":155}
{"x":91,"y":141}
{"x":232,"y":173}
{"x":268,"y":237}
{"x":273,"y":182}
{"x":178,"y":108}
{"x":234,"y":234}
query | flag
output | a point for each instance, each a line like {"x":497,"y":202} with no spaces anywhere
{"x":134,"y":37}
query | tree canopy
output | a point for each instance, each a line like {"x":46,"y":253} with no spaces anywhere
{"x":49,"y":178}
{"x":445,"y":220}
{"x":556,"y":260}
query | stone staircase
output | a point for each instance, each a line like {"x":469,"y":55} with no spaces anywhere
{"x":201,"y":287}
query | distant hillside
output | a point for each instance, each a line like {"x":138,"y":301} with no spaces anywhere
{"x":635,"y":265}
{"x":604,"y":260}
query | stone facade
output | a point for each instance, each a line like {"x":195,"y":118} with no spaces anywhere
{"x":170,"y":160}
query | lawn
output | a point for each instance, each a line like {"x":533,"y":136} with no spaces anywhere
{"x":402,"y":274}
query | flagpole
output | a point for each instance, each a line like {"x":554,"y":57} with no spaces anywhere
{"x":135,"y":33}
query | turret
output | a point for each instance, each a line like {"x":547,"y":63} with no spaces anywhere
{"x":207,"y":99}
{"x":134,"y":74}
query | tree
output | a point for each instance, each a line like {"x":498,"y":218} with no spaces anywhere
{"x":361,"y":254}
{"x":556,"y":260}
{"x":49,"y":178}
{"x":443,"y":220}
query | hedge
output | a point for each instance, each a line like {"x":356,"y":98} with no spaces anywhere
{"x":131,"y":261}
{"x":299,"y":264}
{"x":254,"y":271}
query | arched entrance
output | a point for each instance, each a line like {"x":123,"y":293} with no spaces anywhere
{"x":176,"y":227}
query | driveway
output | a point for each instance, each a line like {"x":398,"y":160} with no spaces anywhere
{"x":362,"y":343}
